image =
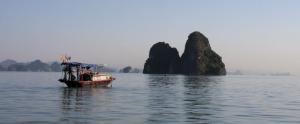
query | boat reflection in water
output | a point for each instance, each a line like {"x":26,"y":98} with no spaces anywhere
{"x":78,"y":105}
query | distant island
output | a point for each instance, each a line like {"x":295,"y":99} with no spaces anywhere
{"x":34,"y":66}
{"x":198,"y":58}
{"x":39,"y":66}
{"x":245,"y":72}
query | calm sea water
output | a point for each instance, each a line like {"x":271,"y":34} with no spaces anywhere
{"x":151,"y":99}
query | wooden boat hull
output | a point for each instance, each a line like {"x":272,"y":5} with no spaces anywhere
{"x":102,"y":83}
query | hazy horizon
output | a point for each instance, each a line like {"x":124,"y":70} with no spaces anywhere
{"x":258,"y":35}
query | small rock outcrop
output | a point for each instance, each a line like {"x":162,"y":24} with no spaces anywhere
{"x":199,"y":59}
{"x":129,"y":69}
{"x":163,"y":59}
{"x":126,"y":69}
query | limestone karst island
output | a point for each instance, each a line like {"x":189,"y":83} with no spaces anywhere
{"x":198,"y":58}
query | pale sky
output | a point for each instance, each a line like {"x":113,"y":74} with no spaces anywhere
{"x":254,"y":35}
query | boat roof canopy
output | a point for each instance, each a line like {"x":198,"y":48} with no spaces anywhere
{"x":74,"y":64}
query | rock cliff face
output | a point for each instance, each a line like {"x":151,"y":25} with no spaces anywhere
{"x":199,"y":59}
{"x":163,"y":59}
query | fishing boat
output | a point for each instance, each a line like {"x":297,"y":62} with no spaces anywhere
{"x":76,"y":74}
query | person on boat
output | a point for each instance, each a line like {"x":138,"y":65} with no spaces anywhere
{"x":89,"y":71}
{"x":73,"y":77}
{"x":85,"y":74}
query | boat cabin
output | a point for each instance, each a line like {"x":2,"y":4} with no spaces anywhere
{"x":74,"y":71}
